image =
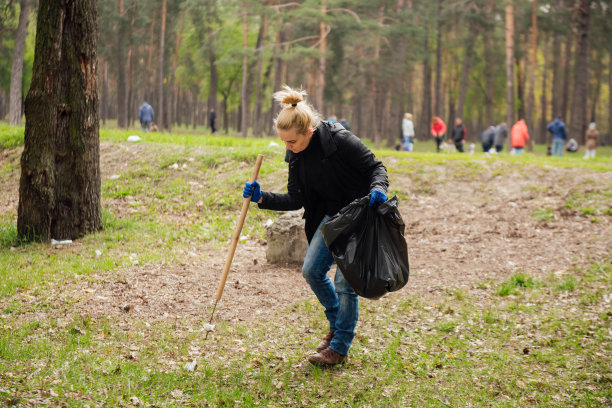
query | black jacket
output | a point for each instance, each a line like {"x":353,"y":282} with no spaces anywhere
{"x":351,"y":171}
{"x":458,"y":133}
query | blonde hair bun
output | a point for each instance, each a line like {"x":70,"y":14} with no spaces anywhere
{"x":295,"y":112}
{"x":289,"y":97}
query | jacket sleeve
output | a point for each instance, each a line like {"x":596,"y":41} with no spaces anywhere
{"x":357,"y":156}
{"x":292,"y":200}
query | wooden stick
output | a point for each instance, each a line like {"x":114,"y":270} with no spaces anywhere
{"x":236,"y":237}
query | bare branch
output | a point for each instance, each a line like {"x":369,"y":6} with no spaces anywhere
{"x":351,"y":12}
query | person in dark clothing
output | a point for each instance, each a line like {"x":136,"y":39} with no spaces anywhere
{"x":212,"y":119}
{"x":329,"y":167}
{"x":458,"y":135}
{"x":486,"y":138}
{"x":146,"y":116}
{"x":345,"y":123}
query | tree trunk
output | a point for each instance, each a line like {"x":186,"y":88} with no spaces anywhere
{"x":104,"y":101}
{"x":258,"y":68}
{"x":465,"y":73}
{"x":557,"y":84}
{"x":212,"y":61}
{"x":121,"y":80}
{"x":510,"y":68}
{"x":17,"y":66}
{"x":520,"y":87}
{"x":566,"y":64}
{"x":599,"y":66}
{"x":162,"y":50}
{"x":490,"y":72}
{"x":59,"y":192}
{"x":532,"y":68}
{"x":610,"y":97}
{"x":244,"y":121}
{"x":438,"y":86}
{"x":543,"y":134}
{"x":320,"y":82}
{"x":426,"y":102}
{"x":578,"y":124}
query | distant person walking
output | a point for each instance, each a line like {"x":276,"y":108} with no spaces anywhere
{"x":592,"y":139}
{"x":486,"y":138}
{"x":345,"y":124}
{"x":557,"y":128}
{"x":438,"y":130}
{"x":212,"y":118}
{"x":407,"y":132}
{"x":146,"y":116}
{"x":519,"y":135}
{"x":459,"y":135}
{"x":499,"y":138}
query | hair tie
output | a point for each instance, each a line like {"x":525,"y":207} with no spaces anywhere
{"x":294,"y":104}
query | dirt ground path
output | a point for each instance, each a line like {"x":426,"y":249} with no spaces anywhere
{"x":460,"y":234}
{"x":461,"y":231}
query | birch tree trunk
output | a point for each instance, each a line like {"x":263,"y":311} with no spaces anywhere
{"x":15,"y":93}
{"x":59,"y":191}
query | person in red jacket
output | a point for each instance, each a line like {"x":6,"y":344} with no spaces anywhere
{"x":438,"y":129}
{"x":519,"y":135}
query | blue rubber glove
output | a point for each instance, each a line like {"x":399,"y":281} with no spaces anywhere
{"x":377,"y":196}
{"x":252,"y":190}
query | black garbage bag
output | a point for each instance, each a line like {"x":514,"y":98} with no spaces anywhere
{"x":369,"y":247}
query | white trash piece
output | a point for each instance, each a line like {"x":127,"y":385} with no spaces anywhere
{"x":191,"y":366}
{"x":208,"y":327}
{"x":133,"y":138}
{"x":173,"y":166}
{"x":273,"y":144}
{"x":62,"y":242}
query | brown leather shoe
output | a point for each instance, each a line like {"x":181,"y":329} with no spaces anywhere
{"x":326,"y":358}
{"x":325,"y":342}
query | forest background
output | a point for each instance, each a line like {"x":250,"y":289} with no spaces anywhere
{"x":486,"y":61}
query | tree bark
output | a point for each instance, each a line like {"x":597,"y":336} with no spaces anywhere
{"x":59,"y":192}
{"x":566,"y":64}
{"x":578,"y":124}
{"x":122,"y":99}
{"x":532,"y":67}
{"x":510,"y":68}
{"x":320,"y":83}
{"x":438,"y":86}
{"x":599,"y":66}
{"x":162,"y":48}
{"x":15,"y":94}
{"x":426,"y":101}
{"x":212,"y":61}
{"x":258,"y":69}
{"x":465,"y":74}
{"x":489,"y":58}
{"x":244,"y":122}
{"x":557,"y":84}
{"x":543,"y":134}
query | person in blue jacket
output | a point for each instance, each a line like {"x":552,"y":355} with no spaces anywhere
{"x":329,"y":167}
{"x":146,"y":116}
{"x":557,"y":128}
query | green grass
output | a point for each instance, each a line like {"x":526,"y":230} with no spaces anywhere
{"x":522,"y":341}
{"x":484,"y":353}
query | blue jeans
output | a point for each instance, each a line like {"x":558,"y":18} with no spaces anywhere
{"x":339,"y":300}
{"x":557,"y":147}
{"x":519,"y":150}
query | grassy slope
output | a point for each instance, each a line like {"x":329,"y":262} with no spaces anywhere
{"x":520,"y":342}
